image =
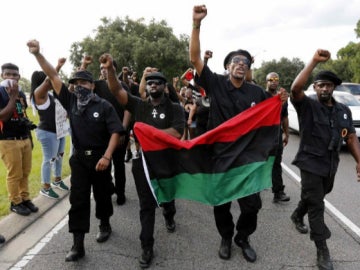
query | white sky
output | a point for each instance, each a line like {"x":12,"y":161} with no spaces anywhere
{"x":268,"y":29}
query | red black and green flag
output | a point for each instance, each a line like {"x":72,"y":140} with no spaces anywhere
{"x":232,"y":161}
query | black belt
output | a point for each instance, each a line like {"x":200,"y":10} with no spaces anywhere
{"x":16,"y":138}
{"x":89,"y":152}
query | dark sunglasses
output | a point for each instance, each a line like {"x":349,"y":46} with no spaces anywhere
{"x":236,"y":60}
{"x":273,"y":79}
{"x":156,"y":82}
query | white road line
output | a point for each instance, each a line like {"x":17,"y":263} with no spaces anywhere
{"x":347,"y":222}
{"x":42,"y":243}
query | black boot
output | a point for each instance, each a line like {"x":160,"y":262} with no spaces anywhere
{"x":170,"y":224}
{"x":77,"y":250}
{"x":225,"y":248}
{"x":104,"y":231}
{"x":323,"y":256}
{"x":146,"y":257}
{"x":248,"y":252}
{"x":299,"y":222}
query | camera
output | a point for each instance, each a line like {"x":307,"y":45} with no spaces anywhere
{"x":27,"y":123}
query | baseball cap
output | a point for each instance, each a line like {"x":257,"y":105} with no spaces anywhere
{"x":82,"y":75}
{"x":155,"y":75}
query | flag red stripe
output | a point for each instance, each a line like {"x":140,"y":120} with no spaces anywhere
{"x":266,"y":113}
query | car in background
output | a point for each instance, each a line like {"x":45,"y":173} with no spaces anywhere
{"x":345,"y":98}
{"x":352,"y":88}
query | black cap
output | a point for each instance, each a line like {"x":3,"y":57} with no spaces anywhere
{"x":238,"y":52}
{"x":326,"y":75}
{"x":155,"y":75}
{"x":82,"y":75}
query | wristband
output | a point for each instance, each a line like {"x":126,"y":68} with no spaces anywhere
{"x":109,"y":159}
{"x":196,"y":26}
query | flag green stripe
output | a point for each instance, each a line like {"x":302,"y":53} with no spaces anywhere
{"x":216,"y":189}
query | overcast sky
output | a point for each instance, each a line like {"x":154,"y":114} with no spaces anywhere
{"x":267,"y":29}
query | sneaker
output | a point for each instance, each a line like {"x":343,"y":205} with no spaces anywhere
{"x":28,"y":204}
{"x":60,"y":185}
{"x":20,"y":209}
{"x":49,"y":193}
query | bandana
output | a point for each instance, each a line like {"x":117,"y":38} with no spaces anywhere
{"x":84,"y":96}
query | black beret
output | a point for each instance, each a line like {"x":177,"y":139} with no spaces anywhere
{"x":327,"y":76}
{"x":155,"y":75}
{"x":238,"y":52}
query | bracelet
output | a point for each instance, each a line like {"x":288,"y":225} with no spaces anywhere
{"x":196,"y":26}
{"x":109,"y":159}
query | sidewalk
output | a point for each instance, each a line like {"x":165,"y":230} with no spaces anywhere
{"x":13,"y":224}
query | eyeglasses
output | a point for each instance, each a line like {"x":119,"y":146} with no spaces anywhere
{"x":275,"y":79}
{"x":156,"y":82}
{"x":236,"y":60}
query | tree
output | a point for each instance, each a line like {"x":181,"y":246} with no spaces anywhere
{"x":286,"y":69}
{"x":134,"y":44}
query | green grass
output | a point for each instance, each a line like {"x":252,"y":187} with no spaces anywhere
{"x":35,"y":175}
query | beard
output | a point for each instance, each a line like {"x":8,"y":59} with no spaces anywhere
{"x":324,"y":97}
{"x":156,"y":94}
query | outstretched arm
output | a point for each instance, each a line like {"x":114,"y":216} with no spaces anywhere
{"x":41,"y":92}
{"x":113,"y":82}
{"x":199,"y":13}
{"x":50,"y":71}
{"x":297,"y":92}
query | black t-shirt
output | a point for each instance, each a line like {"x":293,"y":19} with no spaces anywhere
{"x":16,"y":125}
{"x":226,"y":101}
{"x":165,"y":115}
{"x":47,"y":117}
{"x":92,"y":128}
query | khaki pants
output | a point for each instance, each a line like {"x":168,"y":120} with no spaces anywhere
{"x":17,"y":156}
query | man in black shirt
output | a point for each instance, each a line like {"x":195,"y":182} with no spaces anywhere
{"x":324,"y":125}
{"x":158,"y":111}
{"x":229,"y":96}
{"x":95,"y":132}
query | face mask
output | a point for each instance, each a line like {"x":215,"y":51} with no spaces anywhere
{"x":83,"y":95}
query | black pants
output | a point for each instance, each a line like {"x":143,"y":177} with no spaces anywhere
{"x":83,"y":177}
{"x":247,"y":221}
{"x":148,"y":205}
{"x":277,"y":179}
{"x":118,"y":158}
{"x":313,"y":191}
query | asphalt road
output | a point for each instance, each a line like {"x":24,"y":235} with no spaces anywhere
{"x":43,"y":241}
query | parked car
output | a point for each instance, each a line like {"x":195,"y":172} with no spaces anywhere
{"x":343,"y":97}
{"x":352,"y":88}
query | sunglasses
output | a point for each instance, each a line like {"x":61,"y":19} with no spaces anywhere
{"x":275,"y":79}
{"x":156,"y":82}
{"x":236,"y":60}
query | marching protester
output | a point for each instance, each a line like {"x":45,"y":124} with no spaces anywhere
{"x":95,"y":132}
{"x":324,"y":125}
{"x":158,"y":111}
{"x":229,"y":95}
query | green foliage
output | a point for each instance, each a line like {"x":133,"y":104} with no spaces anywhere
{"x":134,"y":44}
{"x":286,"y":69}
